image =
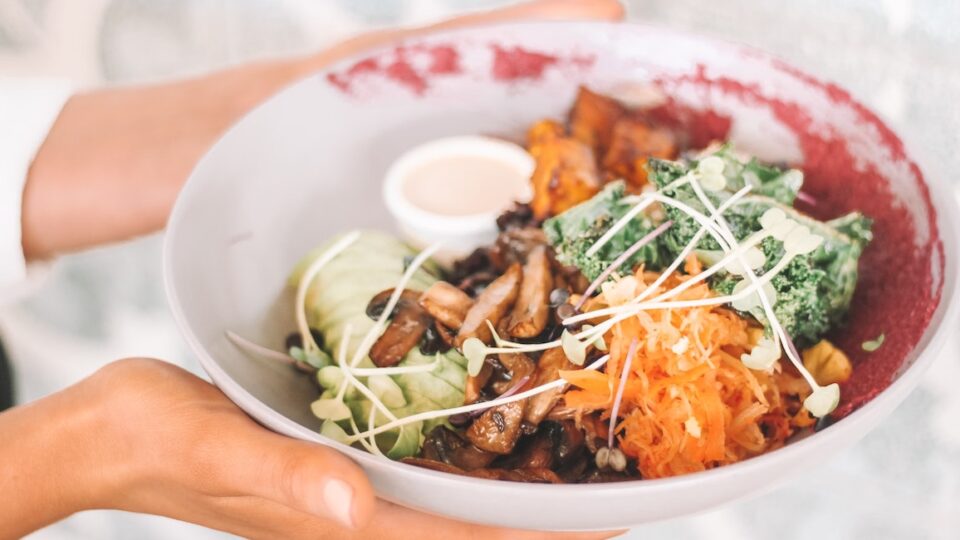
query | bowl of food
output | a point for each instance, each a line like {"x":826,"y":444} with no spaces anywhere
{"x":723,"y":271}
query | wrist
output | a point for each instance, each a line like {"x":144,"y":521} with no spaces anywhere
{"x":53,"y":444}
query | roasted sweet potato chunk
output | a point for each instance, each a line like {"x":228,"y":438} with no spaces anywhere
{"x":529,"y":316}
{"x":446,"y":303}
{"x":593,"y":117}
{"x":632,"y":143}
{"x":544,"y":131}
{"x":565,"y":175}
{"x":492,"y":305}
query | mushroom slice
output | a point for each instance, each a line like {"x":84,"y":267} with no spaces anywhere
{"x":548,"y":369}
{"x":529,"y":317}
{"x":498,"y":428}
{"x":409,"y":323}
{"x":448,"y":446}
{"x":474,"y":384}
{"x":492,"y":304}
{"x":446,"y":336}
{"x":518,"y":365}
{"x":446,"y":303}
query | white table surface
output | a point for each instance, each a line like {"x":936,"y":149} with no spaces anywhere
{"x":900,"y":56}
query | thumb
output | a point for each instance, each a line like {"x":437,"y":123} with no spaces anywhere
{"x":305,"y":476}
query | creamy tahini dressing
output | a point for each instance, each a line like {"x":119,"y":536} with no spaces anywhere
{"x":463,"y":185}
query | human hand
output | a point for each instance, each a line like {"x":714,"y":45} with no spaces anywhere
{"x":115,"y":159}
{"x":146,"y":436}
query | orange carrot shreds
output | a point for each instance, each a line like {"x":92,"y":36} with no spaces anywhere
{"x":688,"y":403}
{"x":692,"y":265}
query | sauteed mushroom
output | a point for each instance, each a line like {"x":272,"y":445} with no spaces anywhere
{"x":529,"y":316}
{"x":498,"y":429}
{"x":491,"y":305}
{"x":406,"y":328}
{"x":446,"y":303}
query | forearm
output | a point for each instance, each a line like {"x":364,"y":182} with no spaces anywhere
{"x":115,"y":159}
{"x":49,"y":462}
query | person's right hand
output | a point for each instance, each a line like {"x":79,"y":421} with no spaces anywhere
{"x":146,"y":436}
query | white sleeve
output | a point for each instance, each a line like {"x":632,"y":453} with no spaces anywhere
{"x":28,"y":109}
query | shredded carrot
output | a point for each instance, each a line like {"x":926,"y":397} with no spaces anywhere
{"x":688,"y":403}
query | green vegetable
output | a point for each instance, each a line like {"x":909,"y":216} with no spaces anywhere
{"x":573,"y":232}
{"x":778,"y":184}
{"x":814,"y":291}
{"x":873,"y":344}
{"x":338,"y":297}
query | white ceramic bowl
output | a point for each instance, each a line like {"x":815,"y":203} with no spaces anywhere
{"x":309,"y":163}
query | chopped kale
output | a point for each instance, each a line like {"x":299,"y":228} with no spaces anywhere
{"x":574,"y":231}
{"x":813,"y":292}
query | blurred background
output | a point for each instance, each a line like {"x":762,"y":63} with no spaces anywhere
{"x":899,"y":56}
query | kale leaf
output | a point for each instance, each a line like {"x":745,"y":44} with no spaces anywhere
{"x":573,"y":232}
{"x":814,"y":291}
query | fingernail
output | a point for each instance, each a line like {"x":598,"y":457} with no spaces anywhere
{"x":338,"y":496}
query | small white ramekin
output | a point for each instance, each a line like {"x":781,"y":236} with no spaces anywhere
{"x":458,"y":234}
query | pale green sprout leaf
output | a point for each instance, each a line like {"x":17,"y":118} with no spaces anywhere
{"x":754,"y":258}
{"x":801,"y":241}
{"x":752,"y":300}
{"x":873,"y":344}
{"x":763,"y":356}
{"x":475,"y":352}
{"x":772,"y":217}
{"x":575,"y":349}
{"x":710,"y":165}
{"x":823,"y":400}
{"x":598,"y":341}
{"x":330,"y":377}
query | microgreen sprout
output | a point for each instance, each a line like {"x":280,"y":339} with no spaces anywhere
{"x":823,"y":400}
{"x":710,"y":171}
{"x":622,"y":258}
{"x":466,"y":409}
{"x":575,"y":349}
{"x":763,"y":356}
{"x":475,"y":351}
{"x":873,"y":344}
{"x":267,"y":353}
{"x":625,"y":372}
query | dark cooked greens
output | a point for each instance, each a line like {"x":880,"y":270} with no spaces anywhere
{"x":573,"y":232}
{"x":813,"y":292}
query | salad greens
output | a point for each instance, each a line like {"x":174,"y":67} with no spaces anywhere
{"x":572,"y":233}
{"x":337,"y":299}
{"x":813,"y":292}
